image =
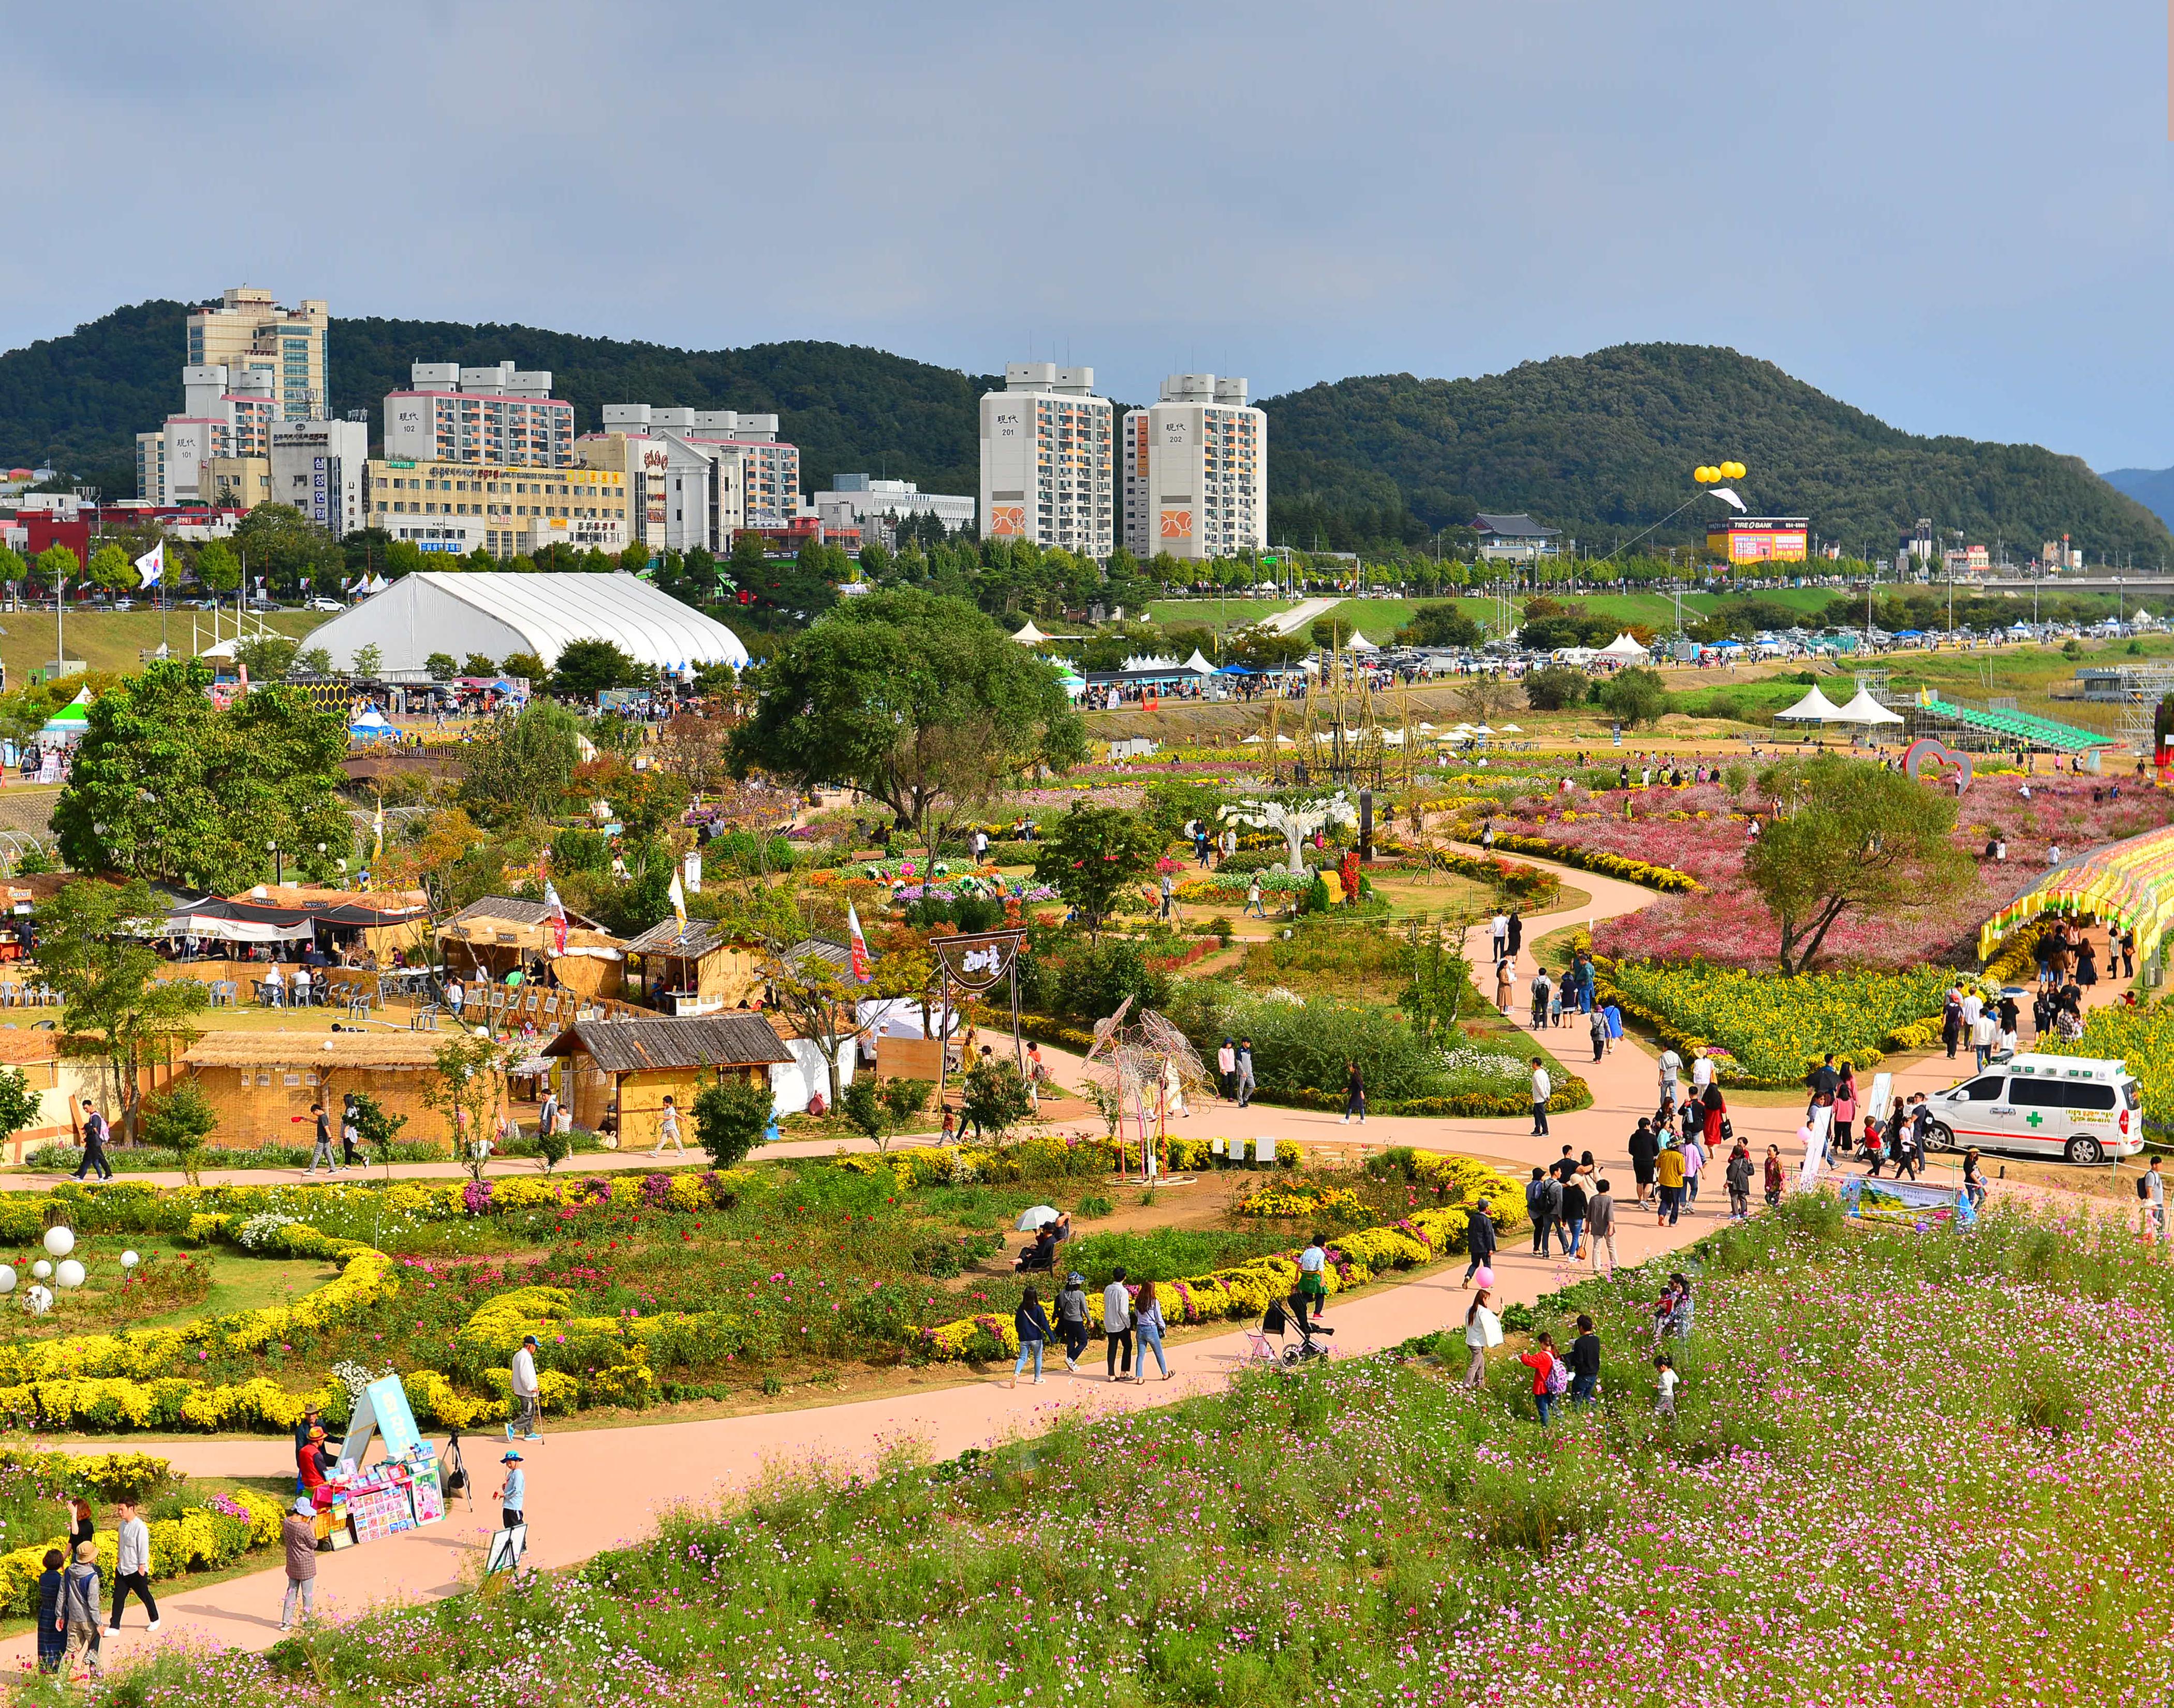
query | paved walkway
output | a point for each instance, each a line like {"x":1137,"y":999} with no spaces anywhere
{"x":590,"y":1489}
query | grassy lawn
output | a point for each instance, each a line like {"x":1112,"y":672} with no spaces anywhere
{"x":118,"y":639}
{"x":174,"y":1284}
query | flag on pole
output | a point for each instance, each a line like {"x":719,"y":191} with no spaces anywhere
{"x":860,"y":944}
{"x":678,"y":902}
{"x":558,"y":917}
{"x":151,"y":567}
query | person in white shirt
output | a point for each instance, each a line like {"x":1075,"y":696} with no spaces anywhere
{"x":1973,"y":1006}
{"x":667,"y":1130}
{"x":132,"y":1566}
{"x":275,"y":987}
{"x":1985,"y":1035}
{"x":1500,"y":929}
{"x":528,"y":1393}
{"x":1543,"y":1087}
{"x":1701,"y":1070}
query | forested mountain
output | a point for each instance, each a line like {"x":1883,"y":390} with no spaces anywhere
{"x":79,"y":401}
{"x":1600,"y":447}
{"x":1603,"y":446}
{"x":2152,"y":487}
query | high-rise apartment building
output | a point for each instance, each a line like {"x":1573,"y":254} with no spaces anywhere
{"x":1046,"y":459}
{"x":224,"y":417}
{"x":497,"y":415}
{"x":247,"y":333}
{"x":1197,"y":472}
{"x":767,"y":490}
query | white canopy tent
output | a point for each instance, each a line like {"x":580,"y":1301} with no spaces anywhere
{"x":1623,"y":647}
{"x":1198,"y":665}
{"x":1359,"y":643}
{"x":497,"y":612}
{"x":1814,"y":708}
{"x":1864,"y":709}
{"x":1029,"y":635}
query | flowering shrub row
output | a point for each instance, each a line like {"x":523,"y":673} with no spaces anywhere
{"x":1764,"y":1029}
{"x":203,"y":1538}
{"x":1570,"y":1092}
{"x":1603,"y":860}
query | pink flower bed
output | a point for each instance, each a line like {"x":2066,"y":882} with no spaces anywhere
{"x":1728,"y":926}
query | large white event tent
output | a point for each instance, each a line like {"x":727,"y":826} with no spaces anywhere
{"x":1029,"y":635}
{"x":1623,"y":647}
{"x":1864,"y":709}
{"x":497,"y":612}
{"x":1814,"y":708}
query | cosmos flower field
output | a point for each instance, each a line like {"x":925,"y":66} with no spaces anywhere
{"x":1907,"y":1467}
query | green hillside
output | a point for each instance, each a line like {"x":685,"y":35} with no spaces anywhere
{"x":1603,"y":446}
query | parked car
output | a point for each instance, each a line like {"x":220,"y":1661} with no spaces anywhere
{"x":325,"y":605}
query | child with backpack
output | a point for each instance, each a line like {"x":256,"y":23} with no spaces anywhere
{"x":1550,"y":1376}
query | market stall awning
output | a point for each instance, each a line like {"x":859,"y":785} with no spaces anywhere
{"x":2128,"y":885}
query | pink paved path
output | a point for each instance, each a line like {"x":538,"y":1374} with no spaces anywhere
{"x":590,"y":1490}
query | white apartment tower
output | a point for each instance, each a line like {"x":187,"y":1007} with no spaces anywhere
{"x":1197,"y":472}
{"x":1048,"y":459}
{"x":496,"y":415}
{"x":246,"y":332}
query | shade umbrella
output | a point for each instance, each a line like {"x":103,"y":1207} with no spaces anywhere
{"x":1030,"y":1219}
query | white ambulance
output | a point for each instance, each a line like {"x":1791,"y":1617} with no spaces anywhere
{"x":2074,"y":1107}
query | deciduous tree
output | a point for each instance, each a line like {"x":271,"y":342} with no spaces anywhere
{"x":1093,"y":855}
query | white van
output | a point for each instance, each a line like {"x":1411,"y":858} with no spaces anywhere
{"x":2070,"y":1106}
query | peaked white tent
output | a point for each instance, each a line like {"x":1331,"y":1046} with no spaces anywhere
{"x":1622,"y":647}
{"x":1198,"y":665}
{"x":1359,"y":643}
{"x":1029,"y":635}
{"x":1814,"y":708}
{"x":1864,"y":709}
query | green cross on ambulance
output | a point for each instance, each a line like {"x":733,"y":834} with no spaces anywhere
{"x":2074,"y":1107}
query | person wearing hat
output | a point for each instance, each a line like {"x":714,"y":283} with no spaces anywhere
{"x":82,"y":1587}
{"x":298,"y":1533}
{"x":512,"y":1499}
{"x":528,"y":1393}
{"x":311,"y":1423}
{"x":311,"y":1460}
{"x":1072,"y":1319}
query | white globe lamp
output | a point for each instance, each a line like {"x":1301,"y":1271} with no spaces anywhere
{"x":129,"y":1260}
{"x":39,"y":1300}
{"x":59,"y":1241}
{"x":41,"y":1268}
{"x":7,"y":1277}
{"x":69,"y":1274}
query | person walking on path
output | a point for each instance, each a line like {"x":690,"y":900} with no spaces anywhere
{"x":1596,"y":1028}
{"x":1355,"y":1093}
{"x":1245,"y":1072}
{"x":1480,"y":1242}
{"x":1505,"y":985}
{"x":1576,"y":1204}
{"x":1702,"y":1072}
{"x":1672,"y":1067}
{"x":1072,"y":1319}
{"x":1773,"y":1181}
{"x":1033,"y":1330}
{"x":2151,"y":1201}
{"x":1668,"y":1168}
{"x":667,"y":1130}
{"x":513,"y":1497}
{"x":1482,"y":1329}
{"x":1498,"y":933}
{"x":1600,"y":1227}
{"x":1715,"y":1111}
{"x":1584,"y":1364}
{"x":1148,"y":1325}
{"x":528,"y":1393}
{"x":1695,"y":1159}
{"x":1226,"y":1071}
{"x":1737,"y":1175}
{"x":1543,"y":1087}
{"x":1513,"y":936}
{"x":351,"y":1154}
{"x":1541,"y":1361}
{"x":52,"y":1627}
{"x":95,"y":1134}
{"x":1117,"y":1328}
{"x":82,"y":1588}
{"x":321,"y":1143}
{"x":1541,"y":990}
{"x":132,"y":1566}
{"x":1254,"y":908}
{"x":1644,"y":1150}
{"x":1543,"y":1197}
{"x":1313,"y":1275}
{"x":1844,"y":1108}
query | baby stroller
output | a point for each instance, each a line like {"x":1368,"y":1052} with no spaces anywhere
{"x":1312,"y":1335}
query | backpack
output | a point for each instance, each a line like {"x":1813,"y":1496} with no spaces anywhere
{"x":2144,"y":1188}
{"x":1558,"y":1374}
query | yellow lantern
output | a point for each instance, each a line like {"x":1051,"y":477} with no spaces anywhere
{"x":1733,"y":471}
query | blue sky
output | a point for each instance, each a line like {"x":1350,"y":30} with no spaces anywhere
{"x":1953,"y":215}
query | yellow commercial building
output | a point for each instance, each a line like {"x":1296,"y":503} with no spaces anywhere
{"x":457,"y":506}
{"x":242,"y":482}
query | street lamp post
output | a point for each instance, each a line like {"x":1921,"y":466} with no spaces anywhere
{"x":278,"y":863}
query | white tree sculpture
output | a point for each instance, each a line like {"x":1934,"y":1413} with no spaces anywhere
{"x":1296,"y":817}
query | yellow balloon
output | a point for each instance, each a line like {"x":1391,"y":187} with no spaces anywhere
{"x":1734,"y":471}
{"x":1701,"y":474}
